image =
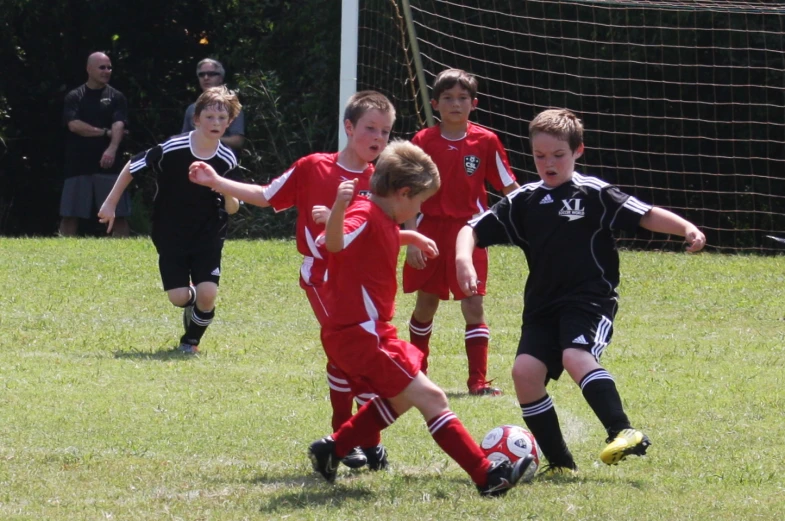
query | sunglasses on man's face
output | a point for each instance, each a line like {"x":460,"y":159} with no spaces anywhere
{"x":105,"y":67}
{"x":208,"y":74}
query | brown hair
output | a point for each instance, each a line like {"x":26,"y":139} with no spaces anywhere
{"x":449,"y":78}
{"x":560,"y":123}
{"x":361,"y":102}
{"x":219,"y":97}
{"x":404,"y":165}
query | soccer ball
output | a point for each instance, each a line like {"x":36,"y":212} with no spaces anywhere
{"x":510,"y":443}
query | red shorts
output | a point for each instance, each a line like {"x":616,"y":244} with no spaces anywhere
{"x":314,"y":294}
{"x":438,"y":277}
{"x":373,"y":357}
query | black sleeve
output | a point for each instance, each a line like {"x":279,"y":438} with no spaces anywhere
{"x":71,"y":108}
{"x":626,"y":210}
{"x":120,"y":109}
{"x":492,"y":227}
{"x":148,"y":159}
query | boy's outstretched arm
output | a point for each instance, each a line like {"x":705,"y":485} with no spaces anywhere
{"x":464,"y":267}
{"x":423,"y":243}
{"x":415,"y":257}
{"x":333,"y":232}
{"x":106,"y":214}
{"x":663,"y":221}
{"x":203,"y":174}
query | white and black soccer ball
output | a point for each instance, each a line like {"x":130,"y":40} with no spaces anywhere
{"x":511,"y":443}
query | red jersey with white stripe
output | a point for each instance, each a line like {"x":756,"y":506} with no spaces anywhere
{"x":464,"y":166}
{"x":312,"y":180}
{"x":362,"y":282}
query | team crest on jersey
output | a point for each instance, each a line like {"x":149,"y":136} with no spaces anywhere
{"x":572,"y":209}
{"x":471,"y":164}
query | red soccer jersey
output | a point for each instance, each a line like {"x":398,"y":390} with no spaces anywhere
{"x":362,"y":282}
{"x":312,"y":180}
{"x":464,"y":167}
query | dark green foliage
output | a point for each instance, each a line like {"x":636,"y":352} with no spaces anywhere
{"x":282,"y":57}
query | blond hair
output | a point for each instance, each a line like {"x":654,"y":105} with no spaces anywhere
{"x":361,"y":102}
{"x":403,"y":164}
{"x":219,"y":97}
{"x":559,"y":123}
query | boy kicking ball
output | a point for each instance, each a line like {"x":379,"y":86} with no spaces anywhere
{"x":363,"y":240}
{"x":564,"y":224}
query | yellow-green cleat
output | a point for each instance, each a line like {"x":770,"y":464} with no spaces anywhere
{"x":626,"y":442}
{"x":557,"y":472}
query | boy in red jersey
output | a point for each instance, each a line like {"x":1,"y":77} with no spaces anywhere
{"x":467,"y":155}
{"x":364,"y":240}
{"x":311,"y":182}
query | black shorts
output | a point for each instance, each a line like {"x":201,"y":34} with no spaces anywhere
{"x":179,"y":270}
{"x":583,"y":326}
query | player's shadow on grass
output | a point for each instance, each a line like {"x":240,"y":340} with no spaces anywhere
{"x":164,"y":354}
{"x":305,"y":491}
{"x":460,"y":395}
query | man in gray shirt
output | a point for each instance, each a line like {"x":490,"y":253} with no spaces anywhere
{"x":211,"y":74}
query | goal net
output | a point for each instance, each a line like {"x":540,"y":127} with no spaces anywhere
{"x":683,"y":101}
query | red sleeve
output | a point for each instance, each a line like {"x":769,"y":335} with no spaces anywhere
{"x":282,"y":191}
{"x":499,"y":172}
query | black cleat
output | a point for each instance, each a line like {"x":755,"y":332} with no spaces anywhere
{"x":355,"y":459}
{"x":377,"y":457}
{"x":323,"y":459}
{"x":503,"y":475}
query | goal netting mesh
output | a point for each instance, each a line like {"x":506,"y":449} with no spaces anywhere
{"x":683,"y":102}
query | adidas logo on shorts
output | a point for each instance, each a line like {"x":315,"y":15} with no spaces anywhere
{"x":580,"y":340}
{"x":216,"y":272}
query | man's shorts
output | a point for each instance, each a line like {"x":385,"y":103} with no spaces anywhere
{"x":373,"y":357}
{"x":571,"y":325}
{"x":83,"y":196}
{"x":179,"y":270}
{"x":439,"y":276}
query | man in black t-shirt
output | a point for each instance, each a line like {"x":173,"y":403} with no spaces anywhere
{"x":564,"y":224}
{"x":96,"y":115}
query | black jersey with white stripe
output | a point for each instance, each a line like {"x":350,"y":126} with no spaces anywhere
{"x":186,"y":216}
{"x":567,"y":236}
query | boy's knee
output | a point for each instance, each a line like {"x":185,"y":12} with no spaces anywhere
{"x":206,"y":293}
{"x":473,"y":310}
{"x":178,"y":296}
{"x":425,"y":307}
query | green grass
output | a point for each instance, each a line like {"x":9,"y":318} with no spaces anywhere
{"x":99,"y":421}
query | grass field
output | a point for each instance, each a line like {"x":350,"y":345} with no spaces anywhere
{"x":98,"y":420}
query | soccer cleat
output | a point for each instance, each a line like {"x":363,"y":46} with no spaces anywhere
{"x":624,"y":443}
{"x":377,"y":457}
{"x":503,"y":475}
{"x":484,"y":389}
{"x":558,"y":471}
{"x":323,"y":459}
{"x":355,"y":459}
{"x":188,"y":349}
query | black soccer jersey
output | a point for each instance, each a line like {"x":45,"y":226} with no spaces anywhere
{"x":567,"y":236}
{"x":186,"y":217}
